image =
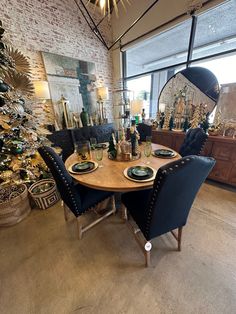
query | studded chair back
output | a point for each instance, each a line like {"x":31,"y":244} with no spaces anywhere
{"x":175,"y":187}
{"x":64,"y":181}
{"x":193,"y":142}
{"x":144,"y":130}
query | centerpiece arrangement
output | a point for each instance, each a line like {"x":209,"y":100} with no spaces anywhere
{"x":122,"y":149}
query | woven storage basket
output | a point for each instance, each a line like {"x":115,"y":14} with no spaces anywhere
{"x":47,"y":198}
{"x":17,"y":205}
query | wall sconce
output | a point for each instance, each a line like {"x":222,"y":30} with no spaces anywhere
{"x":102,"y":96}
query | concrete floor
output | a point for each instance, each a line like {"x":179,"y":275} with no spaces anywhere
{"x":45,"y":269}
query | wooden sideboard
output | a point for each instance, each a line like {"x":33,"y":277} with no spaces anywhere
{"x":223,"y":149}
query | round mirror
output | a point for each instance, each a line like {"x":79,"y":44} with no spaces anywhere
{"x":189,"y":97}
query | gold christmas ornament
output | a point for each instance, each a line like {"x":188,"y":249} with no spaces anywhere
{"x":15,"y":164}
{"x":6,"y":175}
{"x":4,"y":125}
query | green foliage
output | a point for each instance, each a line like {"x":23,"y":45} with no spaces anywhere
{"x":186,"y":125}
{"x":171,"y":123}
{"x":112,"y":149}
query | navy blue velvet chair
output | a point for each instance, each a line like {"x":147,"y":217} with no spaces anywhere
{"x":76,"y":198}
{"x":193,"y":143}
{"x":166,"y":206}
{"x":144,"y":130}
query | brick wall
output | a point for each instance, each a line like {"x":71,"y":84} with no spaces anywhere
{"x":55,"y":26}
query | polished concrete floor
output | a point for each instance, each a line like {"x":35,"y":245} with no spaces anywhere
{"x":45,"y":269}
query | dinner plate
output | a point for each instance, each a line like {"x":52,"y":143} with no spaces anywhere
{"x":100,"y":145}
{"x":151,"y":173}
{"x":140,"y":171}
{"x":164,"y":153}
{"x":83,"y":167}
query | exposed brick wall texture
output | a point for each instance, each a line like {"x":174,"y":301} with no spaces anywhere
{"x":56,"y":26}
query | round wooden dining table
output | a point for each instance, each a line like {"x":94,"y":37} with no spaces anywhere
{"x":110,"y":177}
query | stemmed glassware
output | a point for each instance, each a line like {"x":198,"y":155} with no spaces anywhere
{"x":99,"y":155}
{"x":93,"y":142}
{"x":147,"y":151}
{"x":148,"y":148}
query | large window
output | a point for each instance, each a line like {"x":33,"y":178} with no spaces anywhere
{"x":165,"y":54}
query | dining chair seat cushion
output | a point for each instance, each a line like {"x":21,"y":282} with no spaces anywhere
{"x":136,"y":202}
{"x":91,"y":197}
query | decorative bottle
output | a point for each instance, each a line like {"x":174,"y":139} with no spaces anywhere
{"x":84,"y":117}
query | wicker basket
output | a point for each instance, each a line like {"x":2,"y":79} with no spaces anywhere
{"x":48,"y":196}
{"x":17,"y":205}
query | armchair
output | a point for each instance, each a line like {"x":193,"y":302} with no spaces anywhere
{"x":166,"y":206}
{"x":76,"y":198}
{"x":193,"y":142}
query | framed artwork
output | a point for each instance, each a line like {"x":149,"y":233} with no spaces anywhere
{"x":72,"y":87}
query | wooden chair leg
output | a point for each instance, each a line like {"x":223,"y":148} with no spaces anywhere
{"x":66,"y":211}
{"x":179,"y":238}
{"x":113,"y":204}
{"x":83,"y":228}
{"x":124,"y":214}
{"x":147,"y":250}
{"x":80,"y":228}
{"x":145,"y":245}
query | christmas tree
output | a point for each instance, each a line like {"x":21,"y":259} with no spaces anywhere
{"x":112,"y":152}
{"x":20,"y":132}
{"x":168,"y":113}
{"x":196,"y":117}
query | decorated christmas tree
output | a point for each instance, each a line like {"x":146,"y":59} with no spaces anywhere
{"x":196,"y":117}
{"x":168,"y":113}
{"x":20,"y":132}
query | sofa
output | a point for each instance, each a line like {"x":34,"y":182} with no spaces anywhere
{"x":67,"y":137}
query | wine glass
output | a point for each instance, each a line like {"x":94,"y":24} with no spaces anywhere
{"x":148,"y":139}
{"x":93,"y":142}
{"x":99,"y":155}
{"x":147,"y":151}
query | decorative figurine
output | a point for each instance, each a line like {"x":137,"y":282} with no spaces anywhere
{"x":134,"y":136}
{"x":143,"y":115}
{"x":112,"y":152}
{"x":168,"y":112}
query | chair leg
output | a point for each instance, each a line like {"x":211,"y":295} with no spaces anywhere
{"x":147,"y":248}
{"x":113,"y":204}
{"x":66,"y":211}
{"x":179,"y":238}
{"x":80,"y":228}
{"x":124,"y":214}
{"x":145,"y":245}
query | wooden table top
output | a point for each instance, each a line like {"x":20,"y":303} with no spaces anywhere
{"x":111,"y":177}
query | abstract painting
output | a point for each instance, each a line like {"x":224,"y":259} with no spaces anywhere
{"x":73,"y":80}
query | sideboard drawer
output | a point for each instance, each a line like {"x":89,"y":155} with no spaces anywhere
{"x":222,"y":151}
{"x":221,"y":171}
